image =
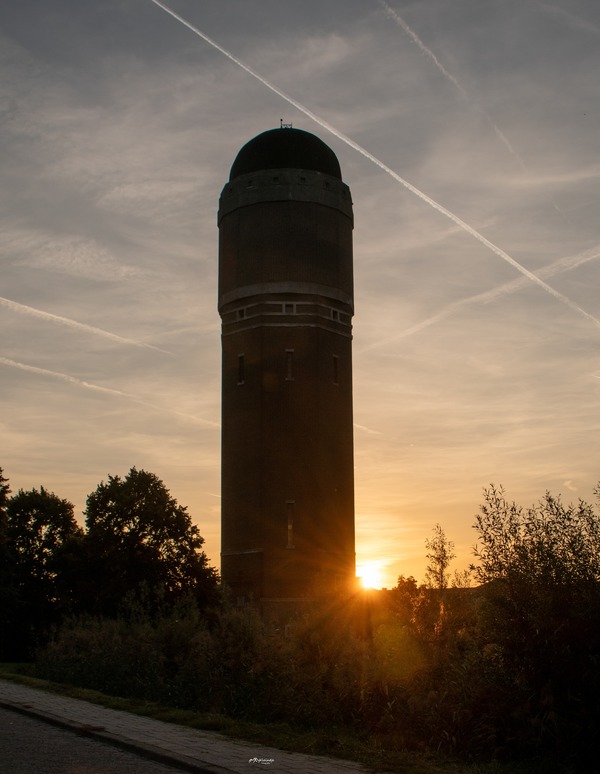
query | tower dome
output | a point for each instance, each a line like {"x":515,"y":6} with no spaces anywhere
{"x":286,"y":148}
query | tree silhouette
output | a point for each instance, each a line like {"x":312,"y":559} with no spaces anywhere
{"x":540,"y":567}
{"x":440,"y":554}
{"x":8,"y":591}
{"x":140,"y":540}
{"x":38,"y":524}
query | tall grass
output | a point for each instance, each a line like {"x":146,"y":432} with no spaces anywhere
{"x":438,"y":686}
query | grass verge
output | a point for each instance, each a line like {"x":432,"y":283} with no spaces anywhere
{"x":279,"y":735}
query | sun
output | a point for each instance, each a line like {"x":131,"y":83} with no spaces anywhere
{"x":370,"y":575}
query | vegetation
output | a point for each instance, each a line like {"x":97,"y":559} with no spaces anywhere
{"x":37,"y":526}
{"x":505,"y":671}
{"x":138,"y":544}
{"x":440,"y":556}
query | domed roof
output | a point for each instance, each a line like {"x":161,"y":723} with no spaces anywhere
{"x":286,"y":148}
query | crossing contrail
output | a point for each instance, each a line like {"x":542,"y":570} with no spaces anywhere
{"x":409,"y":186}
{"x":427,"y":51}
{"x":557,"y":267}
{"x":15,"y":306}
{"x":575,"y":21}
{"x":98,"y":388}
{"x":455,"y":82}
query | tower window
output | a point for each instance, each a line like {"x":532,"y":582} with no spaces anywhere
{"x":241,"y":370}
{"x":336,"y":370}
{"x":288,"y":308}
{"x":289,"y":365}
{"x":335,"y":315}
{"x":241,"y":313}
{"x":289,"y":509}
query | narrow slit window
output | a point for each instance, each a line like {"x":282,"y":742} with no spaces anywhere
{"x":289,"y":365}
{"x":288,"y":308}
{"x":289,"y":509}
{"x":336,"y":369}
{"x":241,"y":370}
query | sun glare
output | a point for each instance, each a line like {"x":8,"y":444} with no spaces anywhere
{"x":370,"y":575}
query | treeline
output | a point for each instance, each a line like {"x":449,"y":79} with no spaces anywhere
{"x":138,"y":542}
{"x":506,"y":670}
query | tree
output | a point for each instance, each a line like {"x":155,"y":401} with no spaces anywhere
{"x":548,"y":544}
{"x":441,"y":553}
{"x":38,"y":525}
{"x":405,"y":594}
{"x":140,"y":540}
{"x":4,"y":492}
{"x":540,"y":567}
{"x":8,"y":591}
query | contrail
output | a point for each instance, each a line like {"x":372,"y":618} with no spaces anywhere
{"x":413,"y":189}
{"x":557,"y":267}
{"x":30,"y":310}
{"x":97,"y":388}
{"x":428,"y":52}
{"x":576,"y":21}
{"x":367,"y":429}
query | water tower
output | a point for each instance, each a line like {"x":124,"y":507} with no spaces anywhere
{"x":286,"y":304}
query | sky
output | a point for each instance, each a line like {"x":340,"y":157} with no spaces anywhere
{"x":468,"y":134}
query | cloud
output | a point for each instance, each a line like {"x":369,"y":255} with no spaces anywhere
{"x":453,"y":80}
{"x":75,"y":255}
{"x":575,"y":21}
{"x":409,"y":186}
{"x":106,"y":390}
{"x":559,"y":266}
{"x":14,"y":306}
{"x":563,"y":177}
{"x":119,"y":132}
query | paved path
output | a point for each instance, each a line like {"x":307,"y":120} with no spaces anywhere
{"x":32,"y":746}
{"x":189,"y":749}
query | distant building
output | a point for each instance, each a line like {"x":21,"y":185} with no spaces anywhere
{"x":286,"y":304}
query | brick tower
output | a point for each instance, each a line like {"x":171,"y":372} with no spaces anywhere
{"x":286,"y":305}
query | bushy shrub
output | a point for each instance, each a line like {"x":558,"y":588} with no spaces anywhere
{"x":166,"y":659}
{"x":507,"y":670}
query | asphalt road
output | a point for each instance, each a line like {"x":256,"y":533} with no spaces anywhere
{"x":29,"y":746}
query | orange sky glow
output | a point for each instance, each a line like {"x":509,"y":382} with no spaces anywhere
{"x":119,"y":129}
